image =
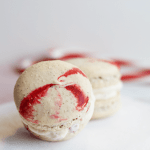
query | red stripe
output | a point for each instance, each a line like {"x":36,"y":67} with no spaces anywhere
{"x":136,"y":75}
{"x":73,"y":55}
{"x":123,"y":62}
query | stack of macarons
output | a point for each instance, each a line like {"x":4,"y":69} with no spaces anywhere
{"x":105,"y":80}
{"x":56,"y":99}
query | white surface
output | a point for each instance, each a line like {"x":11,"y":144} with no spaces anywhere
{"x":118,"y":27}
{"x":129,"y":129}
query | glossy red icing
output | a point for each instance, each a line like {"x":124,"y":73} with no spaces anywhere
{"x":70,"y":72}
{"x":26,"y":106}
{"x":82,"y":100}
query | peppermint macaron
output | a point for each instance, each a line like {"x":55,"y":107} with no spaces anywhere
{"x":105,"y":79}
{"x":54,"y":99}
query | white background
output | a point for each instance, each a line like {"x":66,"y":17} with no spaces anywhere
{"x":115,"y":27}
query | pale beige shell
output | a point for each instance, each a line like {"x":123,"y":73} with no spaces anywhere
{"x":48,"y":72}
{"x":100,"y":72}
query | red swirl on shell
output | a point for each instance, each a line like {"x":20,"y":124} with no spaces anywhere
{"x":33,"y":98}
{"x":71,"y":72}
{"x":82,"y":100}
{"x":26,"y":107}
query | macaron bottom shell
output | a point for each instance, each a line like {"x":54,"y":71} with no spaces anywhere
{"x":106,"y":108}
{"x":64,"y":134}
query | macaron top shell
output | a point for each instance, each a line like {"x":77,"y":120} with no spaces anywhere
{"x":101,"y":73}
{"x":95,"y":67}
{"x":52,"y":93}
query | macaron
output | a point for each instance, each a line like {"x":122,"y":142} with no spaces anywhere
{"x":105,"y":77}
{"x":54,"y":99}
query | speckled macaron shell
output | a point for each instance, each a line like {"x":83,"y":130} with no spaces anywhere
{"x":101,"y":73}
{"x":105,"y":108}
{"x":67,"y":133}
{"x":48,"y":72}
{"x":105,"y":79}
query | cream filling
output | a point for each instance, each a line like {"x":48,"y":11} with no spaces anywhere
{"x":107,"y":92}
{"x":74,"y":127}
{"x":57,"y":135}
{"x":52,"y":135}
{"x":106,"y":95}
